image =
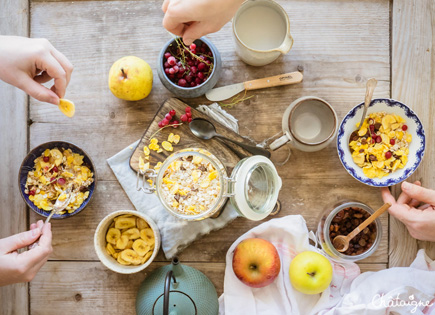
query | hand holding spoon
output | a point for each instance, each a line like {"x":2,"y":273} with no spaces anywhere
{"x":370,"y":88}
{"x":341,"y":242}
{"x":205,"y":130}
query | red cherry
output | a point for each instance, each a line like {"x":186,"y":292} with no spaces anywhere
{"x":372,"y":128}
{"x":392,"y":141}
{"x":32,"y":193}
{"x":168,"y":117}
{"x":171,"y":71}
{"x":188,"y":109}
{"x":165,"y":122}
{"x":378,"y":139}
{"x":201,"y":66}
{"x":55,"y":169}
{"x":167,"y":70}
{"x":404,"y":127}
{"x":167,"y":55}
{"x":374,"y":136}
{"x":174,"y":123}
{"x":201,"y":75}
{"x":46,"y":159}
{"x":192,"y":46}
{"x":373,"y":140}
{"x":193,"y":69}
{"x":160,"y":124}
{"x":172,"y":61}
{"x":172,"y":112}
{"x":189,"y":120}
{"x":388,"y":154}
{"x":52,"y":179}
{"x":175,"y":68}
{"x":184,"y":118}
{"x":182,"y":82}
{"x":189,"y":114}
{"x":167,"y":65}
{"x":61,"y":181}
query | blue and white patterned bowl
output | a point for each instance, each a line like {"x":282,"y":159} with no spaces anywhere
{"x":416,"y":147}
{"x":28,"y":164}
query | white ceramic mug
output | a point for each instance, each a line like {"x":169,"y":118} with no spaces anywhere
{"x":261,"y":31}
{"x":309,"y":124}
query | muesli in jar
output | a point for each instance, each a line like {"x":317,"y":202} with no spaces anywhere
{"x":190,"y":185}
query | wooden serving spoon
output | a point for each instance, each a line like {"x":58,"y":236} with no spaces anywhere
{"x":341,"y":242}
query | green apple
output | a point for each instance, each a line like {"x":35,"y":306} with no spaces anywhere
{"x":310,"y":272}
{"x":256,"y":262}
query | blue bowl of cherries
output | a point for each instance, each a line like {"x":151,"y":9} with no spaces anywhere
{"x":189,"y":71}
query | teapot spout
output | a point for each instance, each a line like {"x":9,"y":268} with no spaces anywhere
{"x":177,"y":268}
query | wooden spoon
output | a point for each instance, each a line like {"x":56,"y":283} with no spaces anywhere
{"x":341,"y":242}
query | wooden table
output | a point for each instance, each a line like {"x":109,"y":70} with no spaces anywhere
{"x":338,"y":45}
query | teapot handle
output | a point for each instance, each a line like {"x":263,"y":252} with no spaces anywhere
{"x":169,"y":275}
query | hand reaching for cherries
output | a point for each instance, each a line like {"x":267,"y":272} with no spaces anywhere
{"x":192,"y":19}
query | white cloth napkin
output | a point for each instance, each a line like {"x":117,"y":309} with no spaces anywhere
{"x":350,"y":292}
{"x":290,"y":236}
{"x":176,"y":234}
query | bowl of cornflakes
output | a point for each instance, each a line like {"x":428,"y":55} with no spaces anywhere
{"x":387,"y":148}
{"x":127,"y":241}
{"x":48,"y":170}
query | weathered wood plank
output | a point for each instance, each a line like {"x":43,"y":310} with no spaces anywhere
{"x":14,"y":16}
{"x":90,"y":288}
{"x":335,"y":60}
{"x":413,"y":83}
{"x":73,"y":237}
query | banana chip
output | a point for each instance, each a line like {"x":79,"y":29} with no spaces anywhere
{"x":122,"y":242}
{"x":140,"y":247}
{"x":141,"y":224}
{"x":131,"y":257}
{"x":113,"y":235}
{"x":132,"y":233}
{"x":67,"y":107}
{"x":125,"y":223}
{"x":132,"y":243}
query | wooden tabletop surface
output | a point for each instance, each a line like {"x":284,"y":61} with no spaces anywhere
{"x":338,"y":46}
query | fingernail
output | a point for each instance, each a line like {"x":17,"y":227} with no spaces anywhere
{"x":406,"y":186}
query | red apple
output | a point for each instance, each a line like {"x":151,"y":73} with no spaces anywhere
{"x":256,"y":262}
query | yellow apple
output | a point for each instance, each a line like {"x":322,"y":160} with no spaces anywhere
{"x":130,"y":78}
{"x":256,"y":262}
{"x":310,"y":272}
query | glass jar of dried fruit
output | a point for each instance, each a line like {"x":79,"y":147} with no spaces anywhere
{"x":341,"y":219}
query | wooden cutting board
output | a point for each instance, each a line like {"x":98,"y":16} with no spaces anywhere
{"x":228,"y":153}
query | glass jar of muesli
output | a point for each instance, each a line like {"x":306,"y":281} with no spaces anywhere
{"x":193,"y":184}
{"x":341,"y":219}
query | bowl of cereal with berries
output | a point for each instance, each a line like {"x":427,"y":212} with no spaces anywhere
{"x":189,"y":71}
{"x":51,"y":168}
{"x":387,"y":148}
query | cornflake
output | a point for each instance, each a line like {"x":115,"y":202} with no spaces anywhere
{"x":381,"y":146}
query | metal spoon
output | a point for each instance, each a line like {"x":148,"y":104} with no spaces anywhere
{"x":205,"y":130}
{"x":59,"y":205}
{"x":341,"y":242}
{"x":370,"y":88}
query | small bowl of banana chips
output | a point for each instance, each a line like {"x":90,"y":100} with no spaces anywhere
{"x":126,"y":241}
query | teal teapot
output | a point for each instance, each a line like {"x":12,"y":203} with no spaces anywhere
{"x":177,"y":289}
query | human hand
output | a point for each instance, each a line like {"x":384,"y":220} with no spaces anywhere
{"x":27,"y":63}
{"x":23,"y":267}
{"x":419,"y":220}
{"x":192,"y":19}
